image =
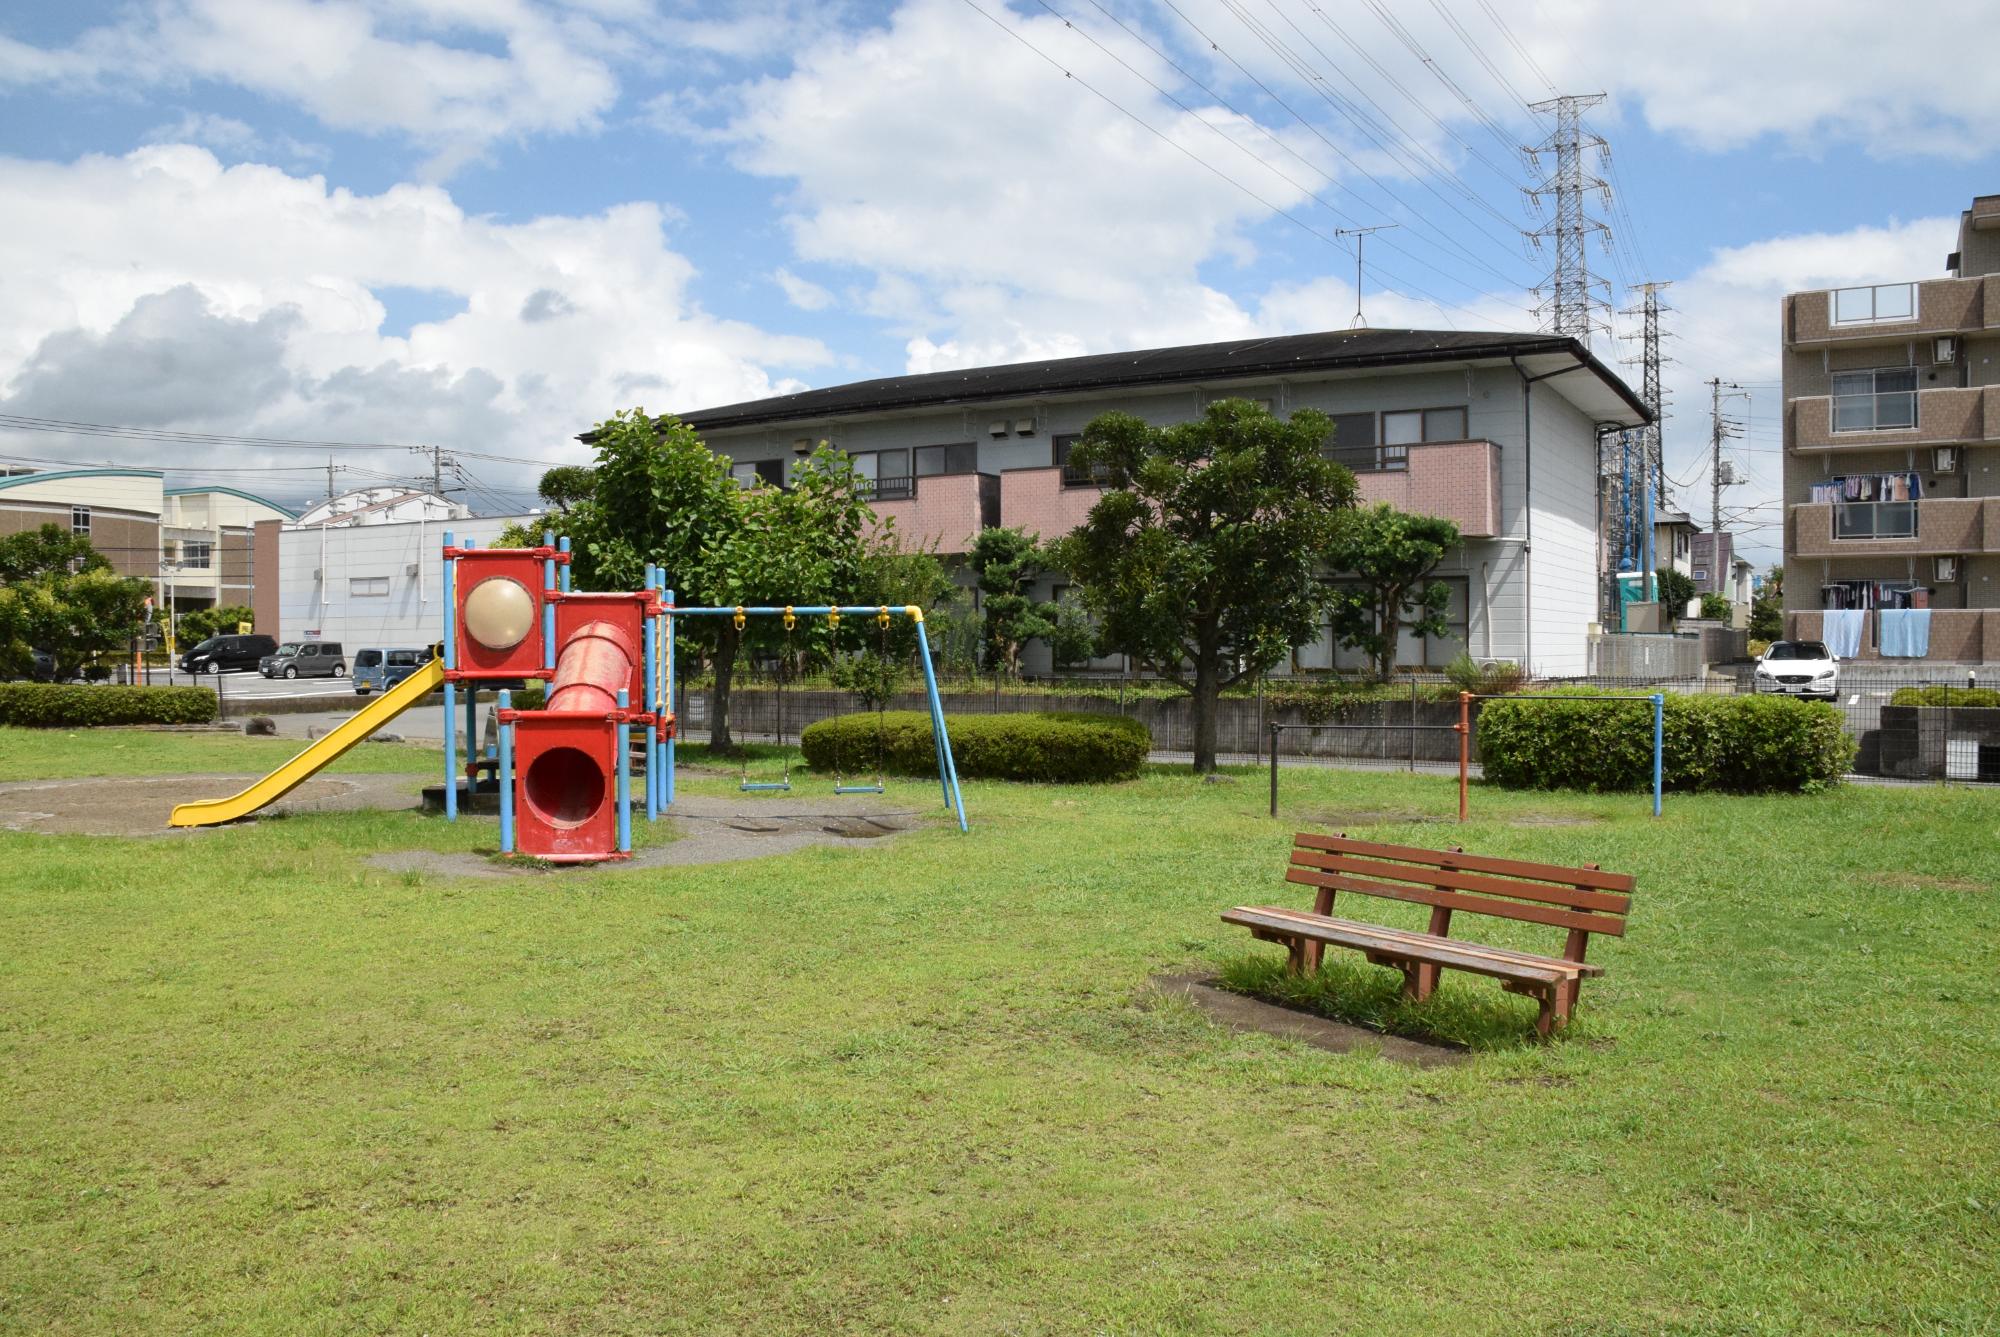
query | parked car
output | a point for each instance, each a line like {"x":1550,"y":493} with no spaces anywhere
{"x":1798,"y":668}
{"x":305,"y":659}
{"x":218,"y":654}
{"x":379,"y":670}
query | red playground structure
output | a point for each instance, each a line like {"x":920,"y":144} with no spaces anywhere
{"x":564,"y":771}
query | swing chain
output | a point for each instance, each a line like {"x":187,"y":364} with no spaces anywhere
{"x":790,"y":620}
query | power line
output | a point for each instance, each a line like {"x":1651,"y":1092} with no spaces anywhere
{"x":1290,"y":217}
{"x":1522,"y":51}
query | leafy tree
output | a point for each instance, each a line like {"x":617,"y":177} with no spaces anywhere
{"x":568,"y":486}
{"x":49,"y":550}
{"x":1767,"y":610}
{"x":77,"y":617}
{"x":1198,"y":559}
{"x":1715,"y":607}
{"x":1007,"y":564}
{"x":519,"y":534}
{"x":197,"y":625}
{"x":1674,"y":590}
{"x":1383,"y":558}
{"x":804,"y":544}
{"x":872,"y":663}
{"x":659,"y":496}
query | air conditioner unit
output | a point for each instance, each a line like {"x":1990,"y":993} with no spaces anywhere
{"x":1944,"y":459}
{"x":1944,"y":349}
{"x":1944,"y":569}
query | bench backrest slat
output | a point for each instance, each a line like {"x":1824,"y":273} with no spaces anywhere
{"x":1458,"y":900}
{"x":1583,"y":900}
{"x":1575,"y":898}
{"x":1476,"y":863}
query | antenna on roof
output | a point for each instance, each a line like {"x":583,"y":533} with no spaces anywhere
{"x":1360,"y":235}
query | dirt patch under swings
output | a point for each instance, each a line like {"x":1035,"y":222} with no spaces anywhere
{"x":707,"y":830}
{"x":1918,"y":882}
{"x":139,"y":805}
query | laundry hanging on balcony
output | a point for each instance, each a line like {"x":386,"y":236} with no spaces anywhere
{"x":1869,"y":487}
{"x":1866,"y":594}
{"x":1905,"y":633}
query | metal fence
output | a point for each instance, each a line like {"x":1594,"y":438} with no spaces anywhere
{"x":1938,"y":731}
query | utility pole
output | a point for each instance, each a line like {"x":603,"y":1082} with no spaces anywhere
{"x":1720,"y":471}
{"x":438,"y":463}
{"x":329,"y":482}
{"x":1571,"y":306}
{"x":1360,"y":235}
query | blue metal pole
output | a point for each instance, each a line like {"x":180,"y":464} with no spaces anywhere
{"x":548,"y":605}
{"x":563,"y":545}
{"x":1659,"y":746}
{"x":949,"y":771}
{"x":624,"y":777}
{"x":667,"y":776}
{"x":652,"y":705}
{"x":450,"y":663}
{"x":506,"y":776}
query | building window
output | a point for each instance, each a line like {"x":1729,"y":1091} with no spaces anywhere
{"x":195,"y":555}
{"x":79,"y":521}
{"x":1875,"y":520}
{"x":1869,"y":306}
{"x":1095,"y":475}
{"x":1353,"y":445}
{"x":1410,"y":427}
{"x":885,"y":474}
{"x":1881,"y":400}
{"x":769,"y":472}
{"x":368,"y":587}
{"x":959,"y":457}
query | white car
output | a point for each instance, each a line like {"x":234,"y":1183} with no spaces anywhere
{"x":1798,"y":668}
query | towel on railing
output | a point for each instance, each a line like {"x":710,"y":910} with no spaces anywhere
{"x":1906,"y":632}
{"x":1841,"y":630}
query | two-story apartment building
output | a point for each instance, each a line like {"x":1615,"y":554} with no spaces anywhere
{"x":1496,"y":431}
{"x":1892,"y":457}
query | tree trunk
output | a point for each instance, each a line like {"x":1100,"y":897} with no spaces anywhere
{"x":726,"y":642}
{"x":1207,"y":689}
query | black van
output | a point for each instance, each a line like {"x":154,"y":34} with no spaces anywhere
{"x":218,"y":653}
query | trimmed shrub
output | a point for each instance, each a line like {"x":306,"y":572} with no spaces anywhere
{"x":1963,"y":698}
{"x":47,"y":705}
{"x":1738,"y":744}
{"x":1043,"y":747}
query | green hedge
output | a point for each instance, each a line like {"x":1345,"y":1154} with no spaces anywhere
{"x":1967,"y":698}
{"x":1048,"y":747}
{"x":1738,"y":744}
{"x":47,"y":705}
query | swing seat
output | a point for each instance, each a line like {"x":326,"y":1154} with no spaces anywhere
{"x":857,"y":789}
{"x":755,"y":786}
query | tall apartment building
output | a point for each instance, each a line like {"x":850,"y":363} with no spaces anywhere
{"x":1495,"y":431}
{"x":1892,"y":454}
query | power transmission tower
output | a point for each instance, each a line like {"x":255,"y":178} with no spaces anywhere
{"x":1569,"y":300}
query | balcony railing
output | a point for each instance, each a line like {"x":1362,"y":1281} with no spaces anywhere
{"x":895,"y":488}
{"x":1874,"y":520}
{"x":1964,"y":415}
{"x":1371,"y":459}
{"x":1887,"y":411}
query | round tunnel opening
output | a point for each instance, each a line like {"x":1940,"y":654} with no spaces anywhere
{"x":564,"y":786}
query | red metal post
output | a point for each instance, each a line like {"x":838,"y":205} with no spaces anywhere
{"x":1464,"y":727}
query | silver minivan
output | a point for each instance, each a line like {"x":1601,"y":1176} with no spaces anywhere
{"x":305,"y":659}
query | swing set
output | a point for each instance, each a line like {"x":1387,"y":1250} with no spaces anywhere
{"x":884,"y":619}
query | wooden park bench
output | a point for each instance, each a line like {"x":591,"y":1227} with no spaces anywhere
{"x":1582,"y":900}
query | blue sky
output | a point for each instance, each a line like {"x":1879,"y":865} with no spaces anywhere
{"x":485,"y":224}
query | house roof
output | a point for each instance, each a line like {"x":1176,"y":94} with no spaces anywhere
{"x":1236,"y":360}
{"x":52,"y":475}
{"x":233,"y":492}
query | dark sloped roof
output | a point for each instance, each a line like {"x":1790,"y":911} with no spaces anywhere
{"x":1238,"y":358}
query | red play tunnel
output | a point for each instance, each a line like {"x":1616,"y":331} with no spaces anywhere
{"x":566,"y":756}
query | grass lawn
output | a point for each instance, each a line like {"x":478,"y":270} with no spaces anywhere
{"x":250,"y":1085}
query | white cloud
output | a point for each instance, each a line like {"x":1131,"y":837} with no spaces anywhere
{"x":356,"y":66}
{"x":802,"y":293}
{"x":1721,"y":73}
{"x":164,"y":289}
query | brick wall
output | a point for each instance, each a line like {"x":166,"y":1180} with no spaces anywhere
{"x":1036,"y":500}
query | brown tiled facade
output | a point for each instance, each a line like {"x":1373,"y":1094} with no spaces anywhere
{"x":1899,"y":379}
{"x":129,"y":541}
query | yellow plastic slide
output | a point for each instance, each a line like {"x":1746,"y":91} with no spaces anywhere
{"x":319,"y":753}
